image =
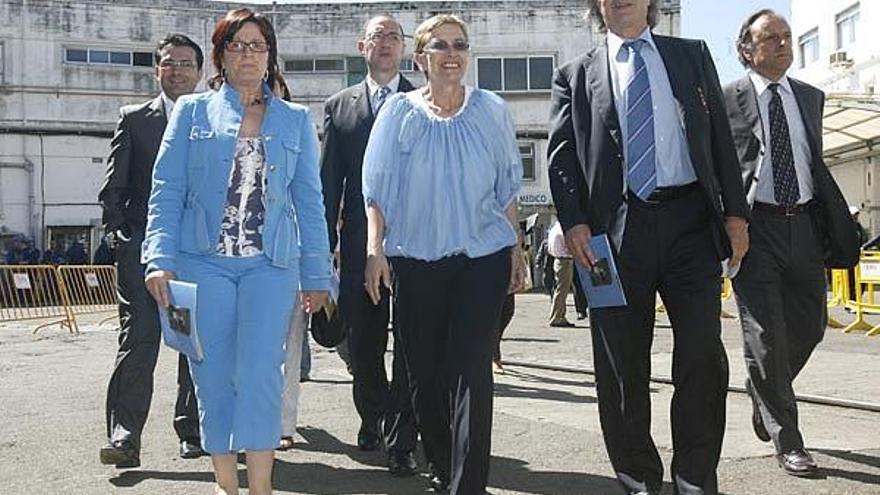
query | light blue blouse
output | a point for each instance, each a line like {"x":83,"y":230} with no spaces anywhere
{"x":443,"y":184}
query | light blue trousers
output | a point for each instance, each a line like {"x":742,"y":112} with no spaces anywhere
{"x":243,"y":310}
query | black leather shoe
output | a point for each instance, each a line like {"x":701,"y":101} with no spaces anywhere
{"x":121,"y":453}
{"x":368,"y":441}
{"x":402,"y":464}
{"x":757,"y":421}
{"x":562,"y":324}
{"x":191,"y":449}
{"x":438,"y":483}
{"x":798,"y":462}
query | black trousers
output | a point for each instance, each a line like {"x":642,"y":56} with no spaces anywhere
{"x":385,"y":408}
{"x":507,"y":310}
{"x":780,"y":291}
{"x":666,"y":248}
{"x":131,"y":385}
{"x":580,"y":299}
{"x":447,"y":312}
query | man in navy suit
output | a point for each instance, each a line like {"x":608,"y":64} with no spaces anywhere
{"x":385,"y":409}
{"x":640,"y":149}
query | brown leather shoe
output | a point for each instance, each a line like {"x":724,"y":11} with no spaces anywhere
{"x":798,"y":462}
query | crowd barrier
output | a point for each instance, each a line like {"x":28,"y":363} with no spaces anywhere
{"x":866,"y":275}
{"x":57,"y":293}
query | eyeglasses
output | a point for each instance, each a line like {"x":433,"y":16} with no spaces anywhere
{"x":443,"y":46}
{"x":180,"y":64}
{"x":253,"y":46}
{"x":391,"y":37}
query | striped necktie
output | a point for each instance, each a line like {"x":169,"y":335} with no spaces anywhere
{"x":381,"y":96}
{"x":785,"y":184}
{"x":641,"y":160}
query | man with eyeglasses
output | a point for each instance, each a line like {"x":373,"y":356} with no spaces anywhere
{"x":385,"y":409}
{"x":124,"y":199}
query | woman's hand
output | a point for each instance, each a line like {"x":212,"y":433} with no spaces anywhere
{"x":377,"y":273}
{"x":517,"y":271}
{"x":157,"y":284}
{"x":314,"y":300}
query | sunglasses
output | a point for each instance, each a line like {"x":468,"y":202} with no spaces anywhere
{"x":436,"y":45}
{"x":180,"y":64}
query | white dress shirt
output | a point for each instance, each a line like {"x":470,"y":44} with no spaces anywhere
{"x":556,"y":242}
{"x":674,"y":166}
{"x":168,"y":103}
{"x":374,"y":88}
{"x":800,"y":147}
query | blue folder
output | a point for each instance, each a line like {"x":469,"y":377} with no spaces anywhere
{"x":179,"y":329}
{"x":601,"y":283}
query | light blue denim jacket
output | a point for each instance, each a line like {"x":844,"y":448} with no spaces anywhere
{"x":191,"y":178}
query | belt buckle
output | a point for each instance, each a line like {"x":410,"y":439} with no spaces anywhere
{"x":791,"y":211}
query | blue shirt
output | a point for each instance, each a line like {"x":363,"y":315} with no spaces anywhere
{"x":443,"y":184}
{"x":674,"y":166}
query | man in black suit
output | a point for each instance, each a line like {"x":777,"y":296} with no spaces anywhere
{"x":780,"y":289}
{"x":124,"y":199}
{"x":385,"y":409}
{"x":640,"y":149}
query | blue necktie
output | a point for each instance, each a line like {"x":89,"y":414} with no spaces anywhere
{"x":785,"y":184}
{"x":381,"y":96}
{"x":641,"y":160}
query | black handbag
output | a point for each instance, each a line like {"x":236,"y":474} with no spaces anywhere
{"x":326,"y":326}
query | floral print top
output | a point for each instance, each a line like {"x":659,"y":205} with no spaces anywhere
{"x":241,"y":230}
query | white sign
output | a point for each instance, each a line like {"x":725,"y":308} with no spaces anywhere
{"x":21,"y":281}
{"x":870,"y":270}
{"x":534,"y":198}
{"x":92,"y":280}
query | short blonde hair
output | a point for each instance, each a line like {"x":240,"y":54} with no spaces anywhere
{"x":426,"y":29}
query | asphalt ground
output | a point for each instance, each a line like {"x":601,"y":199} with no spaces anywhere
{"x":546,"y":436}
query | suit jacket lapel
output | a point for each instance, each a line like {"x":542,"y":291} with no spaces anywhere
{"x":747,"y":99}
{"x":156,"y":120}
{"x":603,"y":98}
{"x":404,"y":86}
{"x":362,"y":107}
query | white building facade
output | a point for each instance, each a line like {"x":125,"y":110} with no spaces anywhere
{"x":837,"y":48}
{"x":66,"y":67}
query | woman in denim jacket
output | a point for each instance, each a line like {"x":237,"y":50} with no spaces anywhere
{"x":236,"y":208}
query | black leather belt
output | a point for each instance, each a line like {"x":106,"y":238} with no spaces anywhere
{"x":787,"y":211}
{"x":665,"y":194}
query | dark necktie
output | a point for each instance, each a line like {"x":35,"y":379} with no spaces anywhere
{"x":785,"y":184}
{"x":641,"y":160}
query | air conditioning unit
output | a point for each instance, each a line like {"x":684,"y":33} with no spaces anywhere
{"x":839,"y":59}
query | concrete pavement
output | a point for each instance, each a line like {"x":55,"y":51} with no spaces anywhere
{"x":546,"y":438}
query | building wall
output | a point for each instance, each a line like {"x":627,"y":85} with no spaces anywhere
{"x":56,"y":117}
{"x":853,"y":73}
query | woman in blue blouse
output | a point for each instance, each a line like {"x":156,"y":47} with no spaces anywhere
{"x":236,"y":208}
{"x":441,"y":173}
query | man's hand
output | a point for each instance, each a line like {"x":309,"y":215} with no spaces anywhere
{"x":577,"y":240}
{"x":377,"y":273}
{"x":157,"y":284}
{"x":314,"y":300}
{"x":738,"y":232}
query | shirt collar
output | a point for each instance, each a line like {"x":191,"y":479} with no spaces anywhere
{"x":761,"y":83}
{"x":168,"y":103}
{"x":393,"y":84}
{"x":615,"y":42}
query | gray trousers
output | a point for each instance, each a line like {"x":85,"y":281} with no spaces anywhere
{"x":780,"y":291}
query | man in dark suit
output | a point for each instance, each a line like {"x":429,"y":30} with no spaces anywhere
{"x":780,"y":289}
{"x":124,"y":199}
{"x":348,"y":119}
{"x":640,"y":149}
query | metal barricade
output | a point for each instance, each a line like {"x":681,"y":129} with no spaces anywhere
{"x":839,"y":295}
{"x":32,"y":292}
{"x":89,"y":288}
{"x":867,"y":274}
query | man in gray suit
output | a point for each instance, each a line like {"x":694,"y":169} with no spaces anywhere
{"x":124,"y":199}
{"x":798,"y":212}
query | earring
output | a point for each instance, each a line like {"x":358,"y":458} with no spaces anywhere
{"x":266,"y":76}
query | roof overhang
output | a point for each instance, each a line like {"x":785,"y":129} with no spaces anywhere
{"x":850,"y":126}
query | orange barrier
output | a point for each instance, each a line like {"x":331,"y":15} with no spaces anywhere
{"x":31,"y":292}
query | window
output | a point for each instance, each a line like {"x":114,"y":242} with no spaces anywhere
{"x":314,"y":65}
{"x":527,"y":153}
{"x":514,"y":73}
{"x":808,"y":47}
{"x":846,"y":23}
{"x":99,"y":56}
{"x":407,"y":65}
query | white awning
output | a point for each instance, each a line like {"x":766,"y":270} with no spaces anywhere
{"x":850,"y":123}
